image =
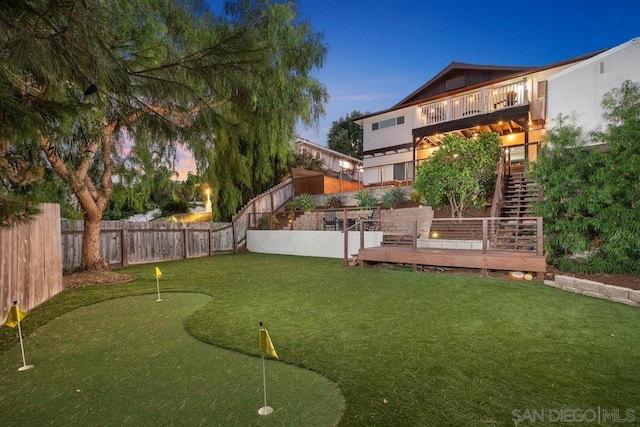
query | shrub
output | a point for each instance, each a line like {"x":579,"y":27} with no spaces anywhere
{"x":334,"y":202}
{"x":175,"y":206}
{"x":304,"y":202}
{"x":393,"y":198}
{"x":267,"y":221}
{"x":365,"y":199}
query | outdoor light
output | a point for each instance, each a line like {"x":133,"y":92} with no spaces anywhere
{"x":434,"y":234}
{"x":207,"y":206}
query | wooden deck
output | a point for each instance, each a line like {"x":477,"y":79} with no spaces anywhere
{"x":510,"y":244}
{"x":490,"y":260}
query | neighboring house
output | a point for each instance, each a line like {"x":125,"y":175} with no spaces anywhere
{"x":335,"y":163}
{"x":515,"y":102}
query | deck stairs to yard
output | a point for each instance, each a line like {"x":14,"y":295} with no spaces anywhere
{"x":397,"y":239}
{"x":519,"y":233}
{"x":513,"y":232}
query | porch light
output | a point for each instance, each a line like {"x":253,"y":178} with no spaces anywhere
{"x":434,"y":234}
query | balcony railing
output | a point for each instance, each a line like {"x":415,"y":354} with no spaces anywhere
{"x":483,"y":101}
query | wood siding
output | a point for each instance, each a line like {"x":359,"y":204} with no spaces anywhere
{"x":30,"y":261}
{"x":321,"y":184}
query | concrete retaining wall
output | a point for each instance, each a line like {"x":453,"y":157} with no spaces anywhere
{"x":450,"y":244}
{"x":596,"y":290}
{"x":327,"y":244}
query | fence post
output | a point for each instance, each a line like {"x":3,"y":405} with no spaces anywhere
{"x":233,"y":235}
{"x":210,"y":241}
{"x":124,"y":246}
{"x":185,"y":239}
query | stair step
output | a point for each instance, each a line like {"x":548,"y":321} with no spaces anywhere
{"x":397,"y":240}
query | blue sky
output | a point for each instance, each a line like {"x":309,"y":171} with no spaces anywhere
{"x":381,"y":51}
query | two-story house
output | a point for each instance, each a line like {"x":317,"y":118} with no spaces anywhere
{"x":518,"y":103}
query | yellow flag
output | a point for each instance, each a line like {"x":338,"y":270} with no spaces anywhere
{"x":266,"y":345}
{"x":15,"y":315}
{"x":158,"y":273}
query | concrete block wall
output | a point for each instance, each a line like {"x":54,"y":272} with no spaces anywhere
{"x":307,"y":221}
{"x":348,"y":197}
{"x":596,"y":290}
{"x":393,"y":221}
{"x":401,"y":220}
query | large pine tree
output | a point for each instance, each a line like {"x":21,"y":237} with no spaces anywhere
{"x":82,"y":78}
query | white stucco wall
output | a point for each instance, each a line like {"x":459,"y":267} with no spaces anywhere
{"x":578,"y":90}
{"x":394,"y":135}
{"x":326,"y":244}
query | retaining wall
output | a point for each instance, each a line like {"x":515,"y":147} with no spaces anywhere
{"x":596,"y":290}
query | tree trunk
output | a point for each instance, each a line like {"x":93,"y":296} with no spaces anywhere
{"x":92,"y":197}
{"x":91,"y":258}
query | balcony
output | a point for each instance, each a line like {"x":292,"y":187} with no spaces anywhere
{"x":482,"y":101}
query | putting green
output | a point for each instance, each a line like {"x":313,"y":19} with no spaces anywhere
{"x":129,"y":361}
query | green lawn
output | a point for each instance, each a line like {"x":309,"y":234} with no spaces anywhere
{"x":405,"y":349}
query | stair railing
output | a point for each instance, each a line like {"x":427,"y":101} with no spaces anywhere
{"x":498,"y":196}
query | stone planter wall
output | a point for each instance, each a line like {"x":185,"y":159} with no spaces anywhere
{"x":596,"y":290}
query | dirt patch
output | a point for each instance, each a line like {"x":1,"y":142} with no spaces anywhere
{"x":94,"y":278}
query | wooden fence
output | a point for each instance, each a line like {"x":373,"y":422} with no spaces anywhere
{"x":124,"y":242}
{"x":30,"y":261}
{"x":269,"y":201}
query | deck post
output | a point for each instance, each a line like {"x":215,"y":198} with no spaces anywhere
{"x":485,"y":235}
{"x":540,"y":237}
{"x":345,"y":261}
{"x":361,"y":241}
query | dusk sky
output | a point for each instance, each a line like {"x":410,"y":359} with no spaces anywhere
{"x":381,"y":51}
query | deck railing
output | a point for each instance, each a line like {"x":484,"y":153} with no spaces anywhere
{"x":482,"y":101}
{"x":492,"y":234}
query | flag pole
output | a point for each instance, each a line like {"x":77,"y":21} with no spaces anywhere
{"x":158,"y":283}
{"x":16,"y":314}
{"x":24,"y":366}
{"x":265,"y":410}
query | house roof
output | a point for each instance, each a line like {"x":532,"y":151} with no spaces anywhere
{"x":461,"y":66}
{"x":503,"y":72}
{"x":336,"y":154}
{"x":596,"y":58}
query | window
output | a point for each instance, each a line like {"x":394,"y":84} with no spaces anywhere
{"x":403,"y":171}
{"x":542,"y":89}
{"x":388,"y":123}
{"x":398,"y":171}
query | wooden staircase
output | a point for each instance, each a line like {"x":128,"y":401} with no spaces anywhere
{"x":519,"y":194}
{"x":518,"y":231}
